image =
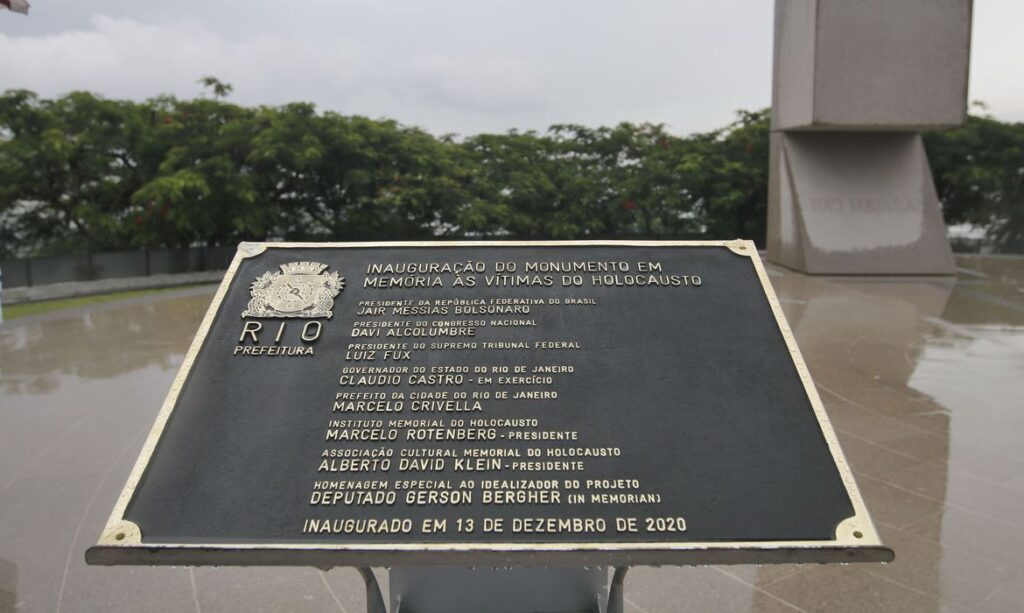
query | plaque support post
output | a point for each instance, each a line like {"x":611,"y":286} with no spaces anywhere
{"x":617,"y":593}
{"x":448,"y":589}
{"x":374,"y":599}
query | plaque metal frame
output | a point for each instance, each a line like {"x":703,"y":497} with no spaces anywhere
{"x":855,"y":539}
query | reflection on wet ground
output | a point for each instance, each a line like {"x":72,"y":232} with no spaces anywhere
{"x":923,"y":379}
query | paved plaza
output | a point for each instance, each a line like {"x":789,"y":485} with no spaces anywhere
{"x":923,"y":379}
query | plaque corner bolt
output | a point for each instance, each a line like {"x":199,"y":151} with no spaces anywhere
{"x":250,"y":250}
{"x":742,"y":247}
{"x":853,"y":531}
{"x":121,"y":532}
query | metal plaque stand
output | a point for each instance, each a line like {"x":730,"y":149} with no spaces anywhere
{"x":183,"y":502}
{"x":453,"y":589}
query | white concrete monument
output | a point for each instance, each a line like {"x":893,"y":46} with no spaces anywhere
{"x":855,"y":81}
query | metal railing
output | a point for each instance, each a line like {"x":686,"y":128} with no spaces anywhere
{"x":31,"y":272}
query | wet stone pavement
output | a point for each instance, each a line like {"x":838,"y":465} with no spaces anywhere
{"x":923,"y":380}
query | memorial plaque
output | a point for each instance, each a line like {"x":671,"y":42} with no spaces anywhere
{"x":575,"y":403}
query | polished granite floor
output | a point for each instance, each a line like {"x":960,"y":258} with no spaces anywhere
{"x":923,"y":380}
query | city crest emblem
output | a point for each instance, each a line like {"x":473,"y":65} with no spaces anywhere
{"x":299,"y":289}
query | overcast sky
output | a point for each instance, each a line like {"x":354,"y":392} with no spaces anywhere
{"x":446,"y":65}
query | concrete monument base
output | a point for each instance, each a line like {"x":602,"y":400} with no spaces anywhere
{"x":855,"y":203}
{"x":850,"y":189}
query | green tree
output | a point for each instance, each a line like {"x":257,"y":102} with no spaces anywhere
{"x":68,"y":168}
{"x":218,"y":87}
{"x":522,"y":187}
{"x":979,"y":176}
{"x":331,"y":177}
{"x":80,"y":172}
{"x":202,"y":191}
{"x":727,"y":170}
{"x":631,"y":181}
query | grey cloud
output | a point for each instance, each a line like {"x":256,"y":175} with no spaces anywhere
{"x":447,"y":65}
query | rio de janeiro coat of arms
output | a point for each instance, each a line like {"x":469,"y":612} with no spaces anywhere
{"x":299,"y":289}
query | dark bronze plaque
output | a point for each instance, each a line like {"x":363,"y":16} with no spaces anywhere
{"x":535,"y":403}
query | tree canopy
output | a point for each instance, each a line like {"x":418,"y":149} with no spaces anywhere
{"x":81,"y":172}
{"x":979,"y":175}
